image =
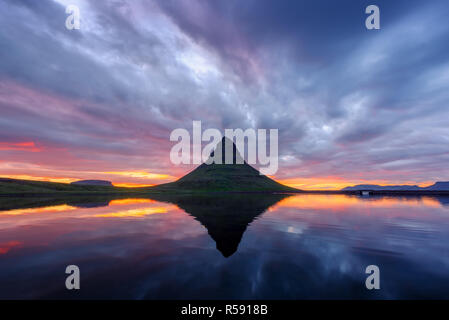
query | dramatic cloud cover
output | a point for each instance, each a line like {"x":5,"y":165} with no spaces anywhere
{"x":352,"y":105}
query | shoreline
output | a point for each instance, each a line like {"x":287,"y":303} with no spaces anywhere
{"x":193,"y":193}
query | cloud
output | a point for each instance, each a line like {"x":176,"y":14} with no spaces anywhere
{"x":348,"y":102}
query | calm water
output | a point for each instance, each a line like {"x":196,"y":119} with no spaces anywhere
{"x":225,"y":247}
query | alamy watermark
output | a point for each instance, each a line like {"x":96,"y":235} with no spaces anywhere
{"x":373,"y":280}
{"x":73,"y":20}
{"x":373,"y":20}
{"x":73,"y":280}
{"x":249,"y":140}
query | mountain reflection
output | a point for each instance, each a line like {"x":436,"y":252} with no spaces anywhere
{"x":225,"y":217}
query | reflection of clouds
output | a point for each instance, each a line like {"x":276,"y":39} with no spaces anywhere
{"x":133,"y":213}
{"x":288,"y":252}
{"x":52,"y":209}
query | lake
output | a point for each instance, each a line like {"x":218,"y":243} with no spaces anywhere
{"x":247,"y":246}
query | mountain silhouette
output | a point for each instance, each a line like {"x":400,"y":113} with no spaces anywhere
{"x":437,"y":186}
{"x":237,"y":176}
{"x":225,"y":217}
{"x":92,"y":183}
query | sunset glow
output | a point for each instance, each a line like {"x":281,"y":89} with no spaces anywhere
{"x":335,"y":183}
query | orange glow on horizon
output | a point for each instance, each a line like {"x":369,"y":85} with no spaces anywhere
{"x":337,"y":183}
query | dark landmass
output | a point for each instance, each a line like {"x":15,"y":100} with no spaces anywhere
{"x":438,"y":186}
{"x":14,"y":186}
{"x":235,"y":177}
{"x":92,"y":183}
{"x":375,"y":187}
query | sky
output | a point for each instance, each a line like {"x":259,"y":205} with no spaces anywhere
{"x":351,"y":105}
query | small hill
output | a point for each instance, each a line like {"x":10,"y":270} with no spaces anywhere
{"x":14,"y":186}
{"x":376,"y":187}
{"x":92,"y":183}
{"x":234,"y":177}
{"x":438,"y":186}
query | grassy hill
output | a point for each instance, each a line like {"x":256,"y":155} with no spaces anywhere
{"x":225,"y":178}
{"x":234,"y":177}
{"x":13,"y":186}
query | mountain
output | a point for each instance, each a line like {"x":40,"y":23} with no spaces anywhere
{"x":376,"y":187}
{"x":233,"y":177}
{"x":438,"y":186}
{"x":92,"y":183}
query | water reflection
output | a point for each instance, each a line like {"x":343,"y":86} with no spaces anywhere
{"x":225,"y":218}
{"x":225,"y":247}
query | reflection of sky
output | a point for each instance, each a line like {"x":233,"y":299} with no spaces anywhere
{"x":306,"y":246}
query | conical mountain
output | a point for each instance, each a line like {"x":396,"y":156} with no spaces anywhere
{"x":235,"y":177}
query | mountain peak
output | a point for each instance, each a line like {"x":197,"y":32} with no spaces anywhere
{"x":225,"y":149}
{"x":236,"y":176}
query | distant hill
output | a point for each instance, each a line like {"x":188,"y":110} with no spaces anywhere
{"x":376,"y":187}
{"x":92,"y":183}
{"x":438,"y":186}
{"x":226,"y":177}
{"x":14,"y":186}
